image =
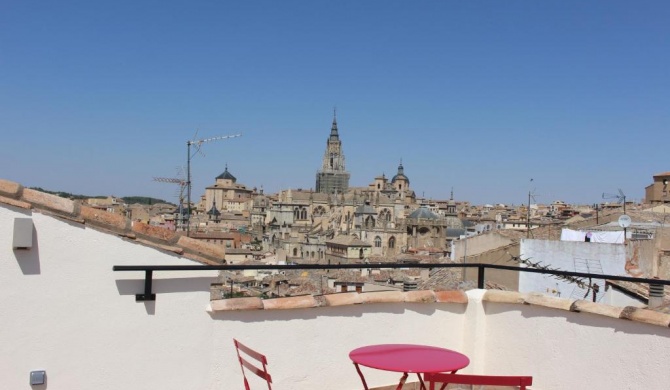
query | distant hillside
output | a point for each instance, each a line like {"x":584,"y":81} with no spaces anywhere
{"x":127,"y":199}
{"x":143,"y":200}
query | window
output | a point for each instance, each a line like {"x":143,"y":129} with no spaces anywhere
{"x":378,"y":242}
{"x":319,"y":211}
{"x":392,"y":242}
{"x":385,"y":215}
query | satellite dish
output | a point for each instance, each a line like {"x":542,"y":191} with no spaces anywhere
{"x":624,"y":221}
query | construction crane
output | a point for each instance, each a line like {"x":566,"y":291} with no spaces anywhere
{"x":198,"y":145}
{"x":182,"y":187}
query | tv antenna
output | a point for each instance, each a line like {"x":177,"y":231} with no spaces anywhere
{"x":531,"y":194}
{"x":197,"y":144}
{"x":182,"y":187}
{"x":620,"y":197}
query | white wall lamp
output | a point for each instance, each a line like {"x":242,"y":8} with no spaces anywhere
{"x":23,"y":233}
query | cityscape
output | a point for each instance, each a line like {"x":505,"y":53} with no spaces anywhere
{"x":308,"y":195}
{"x":384,"y":222}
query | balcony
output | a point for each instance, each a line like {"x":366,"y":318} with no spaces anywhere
{"x":65,"y":311}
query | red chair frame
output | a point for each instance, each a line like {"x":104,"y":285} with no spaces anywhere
{"x":244,"y":363}
{"x":489,"y":380}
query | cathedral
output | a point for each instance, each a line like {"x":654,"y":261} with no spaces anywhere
{"x":337,"y":223}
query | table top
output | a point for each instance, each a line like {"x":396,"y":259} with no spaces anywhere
{"x":409,"y":358}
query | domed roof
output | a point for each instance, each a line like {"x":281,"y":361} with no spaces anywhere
{"x":423,"y":213}
{"x":226,"y":176}
{"x":400,"y":175}
{"x":454,"y":223}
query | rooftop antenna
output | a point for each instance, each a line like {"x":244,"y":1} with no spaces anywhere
{"x":624,"y":220}
{"x":531,"y":194}
{"x":197,"y":144}
{"x":620,"y":197}
{"x":182,"y":187}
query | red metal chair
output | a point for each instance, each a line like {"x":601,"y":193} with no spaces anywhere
{"x":488,"y":380}
{"x":252,"y":367}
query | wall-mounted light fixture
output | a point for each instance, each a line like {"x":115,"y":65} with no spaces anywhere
{"x":38,"y":377}
{"x":23,"y":233}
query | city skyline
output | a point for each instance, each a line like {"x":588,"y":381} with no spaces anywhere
{"x":479,"y":97}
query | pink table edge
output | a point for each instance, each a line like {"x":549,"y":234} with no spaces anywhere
{"x":409,"y":358}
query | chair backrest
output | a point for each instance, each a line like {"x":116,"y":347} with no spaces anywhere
{"x":489,"y":380}
{"x":254,"y":367}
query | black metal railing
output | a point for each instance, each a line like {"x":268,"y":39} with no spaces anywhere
{"x":148,"y":270}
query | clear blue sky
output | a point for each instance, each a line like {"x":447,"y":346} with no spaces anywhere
{"x":98,"y":97}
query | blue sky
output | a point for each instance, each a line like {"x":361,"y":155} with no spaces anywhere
{"x":99,"y":97}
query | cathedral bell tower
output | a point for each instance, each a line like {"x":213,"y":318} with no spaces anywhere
{"x":332,"y":177}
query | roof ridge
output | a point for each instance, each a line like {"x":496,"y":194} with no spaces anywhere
{"x":15,"y":195}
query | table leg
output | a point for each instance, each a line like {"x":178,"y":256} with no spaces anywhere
{"x":402,"y":381}
{"x":423,"y":386}
{"x":365,"y":385}
{"x":444,"y":385}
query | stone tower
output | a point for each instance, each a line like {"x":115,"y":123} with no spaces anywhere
{"x":332,"y":177}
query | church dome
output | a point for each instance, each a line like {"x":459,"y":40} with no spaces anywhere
{"x":226,"y":176}
{"x":400,"y":175}
{"x":423,"y":213}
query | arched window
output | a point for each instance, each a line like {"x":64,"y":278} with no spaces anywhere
{"x":378,"y":242}
{"x":369,"y":221}
{"x":360,"y":253}
{"x":295,"y":252}
{"x":385,"y":215}
{"x":319,"y":211}
{"x":303,"y":214}
{"x":296,"y":214}
{"x":392,"y":242}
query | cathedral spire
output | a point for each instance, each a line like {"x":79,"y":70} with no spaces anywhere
{"x":333,"y":129}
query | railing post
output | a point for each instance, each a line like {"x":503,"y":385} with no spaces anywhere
{"x":147,"y":296}
{"x":480,"y":277}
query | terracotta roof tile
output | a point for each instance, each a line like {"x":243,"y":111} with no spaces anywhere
{"x":14,"y":194}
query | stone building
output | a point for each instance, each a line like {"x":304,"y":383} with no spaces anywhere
{"x":425,"y":229}
{"x":228,"y":195}
{"x":657,"y":192}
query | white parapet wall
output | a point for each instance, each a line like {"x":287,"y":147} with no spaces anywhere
{"x":66,"y":312}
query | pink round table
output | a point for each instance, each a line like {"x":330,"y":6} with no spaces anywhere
{"x":407,"y":358}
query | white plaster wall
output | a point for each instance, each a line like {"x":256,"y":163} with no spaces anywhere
{"x":561,"y":255}
{"x":567,"y":350}
{"x":617,"y":298}
{"x":63,"y":310}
